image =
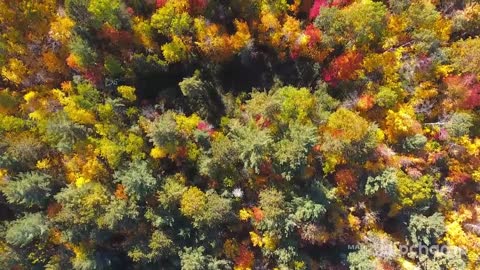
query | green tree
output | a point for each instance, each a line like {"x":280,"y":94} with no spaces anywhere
{"x":291,"y":152}
{"x":386,"y":181}
{"x":61,"y":132}
{"x":106,"y":11}
{"x":362,"y":259}
{"x":254,"y":144}
{"x":81,"y":207}
{"x":29,"y":189}
{"x":163,"y":132}
{"x":193,"y":258}
{"x":84,"y":52}
{"x":414,"y":143}
{"x":274,"y":207}
{"x":138,"y":179}
{"x":25,"y":230}
{"x":306,"y":210}
{"x":205,"y":208}
{"x":459,"y":124}
{"x":159,"y":246}
{"x":201,"y":95}
{"x":368,"y":21}
{"x":425,"y":230}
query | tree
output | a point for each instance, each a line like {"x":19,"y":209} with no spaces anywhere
{"x":61,"y":28}
{"x":81,"y":206}
{"x":221,"y":161}
{"x":113,"y":67}
{"x":78,"y":10}
{"x":273,"y":206}
{"x":296,"y":104}
{"x":413,"y":192}
{"x":201,"y":95}
{"x":193,"y":202}
{"x":172,"y":19}
{"x":426,"y":25}
{"x":127,"y":92}
{"x":193,"y":259}
{"x":175,"y":51}
{"x":333,"y":24}
{"x":306,"y":210}
{"x":29,"y":228}
{"x":137,"y":179}
{"x":110,"y":150}
{"x":29,"y":189}
{"x":291,"y":154}
{"x":426,"y":230}
{"x":343,"y":67}
{"x":216,"y":44}
{"x":368,"y":21}
{"x":362,"y":259}
{"x":15,"y":71}
{"x":385,"y":181}
{"x":459,"y":124}
{"x":61,"y":132}
{"x":347,"y":125}
{"x":254,"y":144}
{"x":159,"y":245}
{"x":414,"y":143}
{"x":22,"y":147}
{"x":348,"y":136}
{"x":84,"y":54}
{"x":401,"y":123}
{"x":465,"y":23}
{"x":204,"y":208}
{"x":104,"y":11}
{"x":196,"y":259}
{"x":172,"y":191}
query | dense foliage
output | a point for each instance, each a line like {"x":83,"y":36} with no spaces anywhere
{"x":242,"y":134}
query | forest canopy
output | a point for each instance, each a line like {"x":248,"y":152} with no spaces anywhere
{"x":242,"y":134}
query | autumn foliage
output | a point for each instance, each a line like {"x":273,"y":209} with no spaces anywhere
{"x":242,"y":134}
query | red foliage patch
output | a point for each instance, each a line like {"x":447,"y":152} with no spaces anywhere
{"x":319,"y":4}
{"x":315,"y":10}
{"x":343,"y":67}
{"x":94,"y":76}
{"x":266,"y":168}
{"x":161,"y":3}
{"x":262,"y":122}
{"x":182,"y":152}
{"x":465,"y":89}
{"x":459,"y":177}
{"x":340,"y":3}
{"x":53,"y":209}
{"x":115,"y":35}
{"x":314,"y":34}
{"x":198,"y":5}
{"x":257,"y":214}
{"x":130,"y":11}
{"x":205,"y":127}
{"x":245,"y":258}
{"x":346,"y":180}
{"x":473,"y":97}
